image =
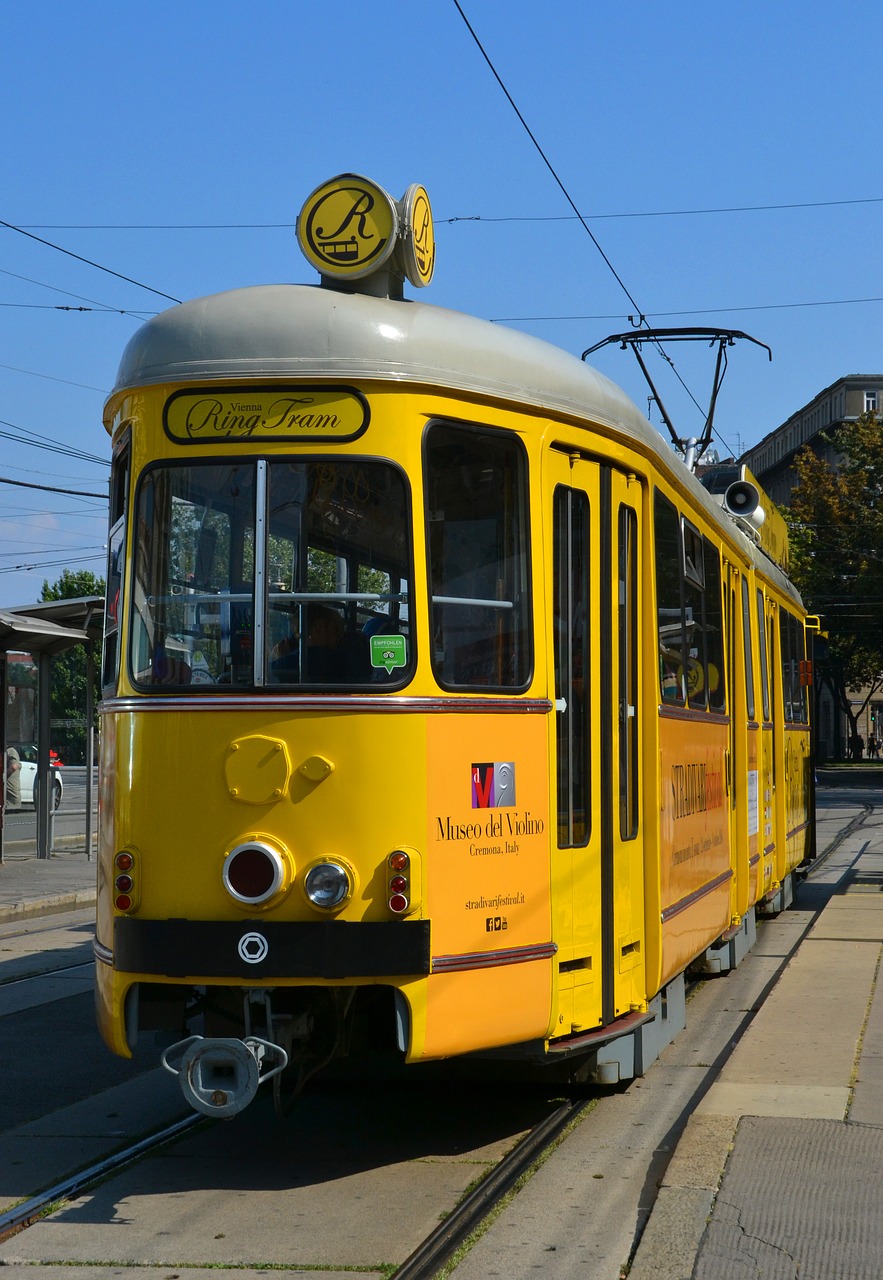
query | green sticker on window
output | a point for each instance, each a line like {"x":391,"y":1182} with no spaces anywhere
{"x":388,"y":652}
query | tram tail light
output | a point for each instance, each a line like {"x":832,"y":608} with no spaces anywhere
{"x":125,"y":881}
{"x":403,"y":882}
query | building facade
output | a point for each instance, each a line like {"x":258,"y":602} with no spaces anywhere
{"x":772,"y":461}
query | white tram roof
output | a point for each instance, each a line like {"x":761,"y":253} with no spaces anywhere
{"x":309,"y":331}
{"x":297,"y":331}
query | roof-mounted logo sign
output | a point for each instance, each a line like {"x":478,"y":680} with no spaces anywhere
{"x":350,"y":228}
{"x":418,"y":236}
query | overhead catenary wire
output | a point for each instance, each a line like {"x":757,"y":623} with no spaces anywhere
{"x":705,"y":311}
{"x":88,"y":261}
{"x":31,"y":565}
{"x":50,"y":488}
{"x":32,"y":373}
{"x":30,"y":438}
{"x":95,"y":304}
{"x":466,"y":217}
{"x":545,"y":159}
{"x":641,"y":319}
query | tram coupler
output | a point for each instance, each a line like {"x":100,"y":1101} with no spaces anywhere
{"x":220,"y":1077}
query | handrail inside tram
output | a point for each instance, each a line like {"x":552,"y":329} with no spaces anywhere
{"x":245,"y":597}
{"x":474,"y":600}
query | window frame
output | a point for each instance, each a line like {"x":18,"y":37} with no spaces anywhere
{"x":258,"y":594}
{"x":519,"y":552}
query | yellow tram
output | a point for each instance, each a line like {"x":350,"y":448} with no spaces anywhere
{"x":443,"y":708}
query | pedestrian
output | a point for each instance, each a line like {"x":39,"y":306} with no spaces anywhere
{"x":13,"y":779}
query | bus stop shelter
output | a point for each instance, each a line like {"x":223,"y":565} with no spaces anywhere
{"x":44,"y":630}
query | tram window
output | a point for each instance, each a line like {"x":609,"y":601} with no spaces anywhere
{"x":793,"y":656}
{"x":764,"y":656}
{"x":339,"y":574}
{"x":713,"y":628}
{"x":323,"y":601}
{"x":571,"y":656}
{"x":689,"y":612}
{"x":746,"y":641}
{"x":116,"y":550}
{"x":478,"y":557}
{"x":193,"y":575}
{"x":668,"y":602}
{"x":785,"y":640}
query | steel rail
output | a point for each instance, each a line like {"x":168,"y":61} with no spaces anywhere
{"x":29,"y":1211}
{"x":426,"y":1260}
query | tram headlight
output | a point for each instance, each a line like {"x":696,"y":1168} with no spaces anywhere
{"x":327,"y":885}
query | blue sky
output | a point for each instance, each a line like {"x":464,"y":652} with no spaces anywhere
{"x":724,"y":157}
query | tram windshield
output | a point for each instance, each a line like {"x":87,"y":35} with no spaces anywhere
{"x":272,"y":573}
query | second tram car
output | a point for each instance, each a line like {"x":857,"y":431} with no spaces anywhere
{"x":443,"y":707}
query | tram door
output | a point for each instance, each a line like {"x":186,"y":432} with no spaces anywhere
{"x":596,"y":620}
{"x":766,"y":622}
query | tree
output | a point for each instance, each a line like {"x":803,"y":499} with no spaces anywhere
{"x":836,"y":533}
{"x":68,"y":685}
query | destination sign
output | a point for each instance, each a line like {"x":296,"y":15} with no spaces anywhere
{"x":209,"y":416}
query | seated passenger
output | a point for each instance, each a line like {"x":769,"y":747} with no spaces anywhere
{"x":325,"y":659}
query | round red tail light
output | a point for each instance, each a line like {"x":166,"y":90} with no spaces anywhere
{"x":253,"y":873}
{"x":398,"y":903}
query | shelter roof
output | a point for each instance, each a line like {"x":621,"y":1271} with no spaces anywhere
{"x":52,"y":626}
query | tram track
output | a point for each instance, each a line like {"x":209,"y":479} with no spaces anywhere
{"x":25,"y":1214}
{"x":425,"y":1261}
{"x":440,"y":1246}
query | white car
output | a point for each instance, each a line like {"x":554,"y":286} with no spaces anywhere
{"x":28,"y":776}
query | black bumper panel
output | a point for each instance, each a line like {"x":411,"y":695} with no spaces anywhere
{"x":265,"y":950}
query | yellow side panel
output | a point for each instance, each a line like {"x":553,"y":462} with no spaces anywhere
{"x":487,"y":855}
{"x":797,"y":792}
{"x":485,"y":1008}
{"x":696,"y":869}
{"x":487,"y":833}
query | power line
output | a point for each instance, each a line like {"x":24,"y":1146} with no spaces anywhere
{"x":641,"y":320}
{"x":665,"y":213}
{"x":104,"y":311}
{"x":43,"y":442}
{"x":49,"y":378}
{"x":48,"y":488}
{"x":706,"y":311}
{"x":545,"y":159}
{"x":88,"y":261}
{"x":55,"y":289}
{"x":7,"y":555}
{"x":49,"y":564}
{"x":469,"y":217}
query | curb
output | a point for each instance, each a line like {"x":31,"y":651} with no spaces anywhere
{"x":48,"y":906}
